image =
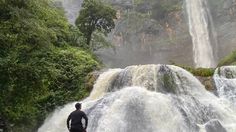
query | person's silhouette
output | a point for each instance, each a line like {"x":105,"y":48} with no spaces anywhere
{"x":76,"y":120}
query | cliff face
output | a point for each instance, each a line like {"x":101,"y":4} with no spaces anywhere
{"x":224,"y":16}
{"x":149,"y":32}
{"x":155,"y":31}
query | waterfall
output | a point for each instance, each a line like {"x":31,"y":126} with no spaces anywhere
{"x":149,"y":98}
{"x":72,"y":8}
{"x":201,"y":28}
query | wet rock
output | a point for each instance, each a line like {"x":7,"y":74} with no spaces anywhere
{"x":214,"y":126}
{"x":208,"y":83}
{"x":91,"y":79}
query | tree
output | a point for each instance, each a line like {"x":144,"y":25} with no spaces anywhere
{"x":39,"y":67}
{"x":95,"y":15}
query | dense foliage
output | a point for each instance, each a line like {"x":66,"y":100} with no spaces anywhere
{"x":95,"y":16}
{"x":39,"y":66}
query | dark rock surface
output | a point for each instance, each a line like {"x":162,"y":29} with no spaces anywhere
{"x":214,"y":126}
{"x":208,"y":82}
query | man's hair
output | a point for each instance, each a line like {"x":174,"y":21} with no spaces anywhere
{"x":78,"y":106}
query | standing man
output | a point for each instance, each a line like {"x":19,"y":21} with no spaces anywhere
{"x":76,"y":120}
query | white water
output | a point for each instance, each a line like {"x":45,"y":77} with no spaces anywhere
{"x":149,"y":98}
{"x":202,"y":31}
{"x":225,"y":80}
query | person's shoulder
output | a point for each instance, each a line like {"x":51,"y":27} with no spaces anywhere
{"x":78,"y":112}
{"x":73,"y":112}
{"x":82,"y":112}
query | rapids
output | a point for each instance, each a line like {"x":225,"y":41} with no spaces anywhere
{"x":150,"y":98}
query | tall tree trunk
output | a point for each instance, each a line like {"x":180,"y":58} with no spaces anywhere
{"x":89,"y":37}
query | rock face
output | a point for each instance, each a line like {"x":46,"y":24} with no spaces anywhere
{"x":143,"y":36}
{"x":148,"y":33}
{"x":224,"y":17}
{"x":208,"y":82}
{"x":214,"y":126}
{"x":91,"y":79}
{"x":157,"y":31}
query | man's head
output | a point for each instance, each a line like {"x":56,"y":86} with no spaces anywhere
{"x":78,"y":106}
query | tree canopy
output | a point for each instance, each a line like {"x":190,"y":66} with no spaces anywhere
{"x":95,"y":15}
{"x":41,"y":65}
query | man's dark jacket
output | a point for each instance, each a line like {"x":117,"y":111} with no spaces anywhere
{"x":76,"y":121}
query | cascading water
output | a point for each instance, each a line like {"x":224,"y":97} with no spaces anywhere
{"x":225,"y":80}
{"x":149,"y":98}
{"x":201,"y":28}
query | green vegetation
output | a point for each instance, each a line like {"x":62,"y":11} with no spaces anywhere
{"x":42,"y":62}
{"x":228,"y":60}
{"x":95,"y":16}
{"x":201,"y":72}
{"x":207,"y":72}
{"x":169,"y":83}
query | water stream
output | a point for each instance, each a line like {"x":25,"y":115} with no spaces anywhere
{"x":225,"y":80}
{"x":201,"y":28}
{"x":149,"y":98}
{"x":160,"y":98}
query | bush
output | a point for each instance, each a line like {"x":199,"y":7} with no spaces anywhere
{"x":31,"y":89}
{"x":40,"y":67}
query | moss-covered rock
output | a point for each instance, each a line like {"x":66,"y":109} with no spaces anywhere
{"x":204,"y":75}
{"x":202,"y":72}
{"x":90,"y":80}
